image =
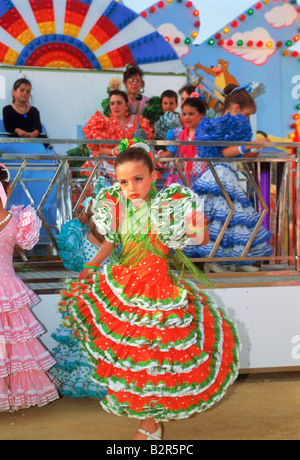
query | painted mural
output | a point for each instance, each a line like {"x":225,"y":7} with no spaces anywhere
{"x":259,"y":47}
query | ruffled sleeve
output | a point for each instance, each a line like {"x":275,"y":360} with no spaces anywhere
{"x":101,"y":127}
{"x":167,"y":122}
{"x":106,"y":212}
{"x":70,"y":243}
{"x":173,"y":135}
{"x":228,"y":128}
{"x":131,"y":127}
{"x":169,"y":212}
{"x":29,"y":225}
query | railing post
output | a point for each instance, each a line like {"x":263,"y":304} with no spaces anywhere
{"x":297,"y":210}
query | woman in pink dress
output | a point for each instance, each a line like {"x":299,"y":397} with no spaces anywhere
{"x":24,"y":362}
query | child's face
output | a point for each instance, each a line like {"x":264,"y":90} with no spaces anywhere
{"x":191,"y":116}
{"x":135,"y":181}
{"x":169,"y":104}
{"x":22,"y":94}
{"x":184,"y":96}
{"x":118,"y":106}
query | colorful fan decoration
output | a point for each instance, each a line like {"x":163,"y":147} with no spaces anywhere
{"x":66,"y":49}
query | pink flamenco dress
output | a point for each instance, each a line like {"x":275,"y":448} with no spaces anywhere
{"x":24,"y":362}
{"x":161,"y":347}
{"x":105,"y":128}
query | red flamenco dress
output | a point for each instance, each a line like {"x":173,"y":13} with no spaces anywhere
{"x":162,"y":348}
{"x":105,"y":128}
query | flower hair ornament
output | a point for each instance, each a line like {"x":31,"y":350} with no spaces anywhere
{"x":135,"y":142}
{"x":197,"y":93}
{"x":247,"y":88}
{"x":3,"y":196}
{"x":114,"y":84}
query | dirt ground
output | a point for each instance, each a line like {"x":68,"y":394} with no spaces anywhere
{"x":251,"y":410}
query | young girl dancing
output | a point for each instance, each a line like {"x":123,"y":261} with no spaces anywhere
{"x":233,"y":126}
{"x":24,"y":362}
{"x":164,"y":350}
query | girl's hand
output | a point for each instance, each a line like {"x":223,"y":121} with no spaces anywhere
{"x":34,"y":134}
{"x":83,"y":218}
{"x":196,"y":228}
{"x":256,"y":141}
{"x":84,"y":274}
{"x":21,"y":132}
{"x":264,"y":139}
{"x":251,"y":155}
{"x":164,"y":154}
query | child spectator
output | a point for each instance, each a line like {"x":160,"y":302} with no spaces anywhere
{"x":186,"y":92}
{"x":170,"y":119}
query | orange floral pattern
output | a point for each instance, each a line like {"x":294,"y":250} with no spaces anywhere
{"x":101,"y":127}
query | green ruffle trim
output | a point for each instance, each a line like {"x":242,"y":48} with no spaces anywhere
{"x":158,"y":318}
{"x":142,"y":341}
{"x":169,"y":214}
{"x":105,"y":211}
{"x":144,"y":302}
{"x":162,"y":414}
{"x":116,"y":384}
{"x":151,"y":366}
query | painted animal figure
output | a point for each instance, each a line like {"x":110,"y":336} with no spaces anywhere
{"x":221,"y":75}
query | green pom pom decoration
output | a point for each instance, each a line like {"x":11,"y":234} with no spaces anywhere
{"x":125,"y":144}
{"x":153,"y":110}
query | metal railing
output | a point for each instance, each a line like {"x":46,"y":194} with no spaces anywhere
{"x":280,"y":213}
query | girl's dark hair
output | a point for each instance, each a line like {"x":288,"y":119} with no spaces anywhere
{"x":189,"y":89}
{"x":118,"y":92}
{"x":240,"y":97}
{"x":197,"y":103}
{"x":133,"y":70}
{"x":19,"y":82}
{"x":4,"y":175}
{"x":135,"y":154}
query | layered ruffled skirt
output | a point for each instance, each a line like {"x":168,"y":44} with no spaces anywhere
{"x":24,"y":362}
{"x":73,"y":369}
{"x":163,"y":349}
{"x":243,"y":221}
